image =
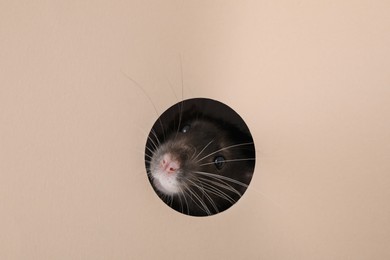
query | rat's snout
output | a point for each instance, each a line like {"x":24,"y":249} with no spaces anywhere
{"x":169,"y":164}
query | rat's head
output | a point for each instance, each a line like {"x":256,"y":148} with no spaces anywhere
{"x":196,"y":151}
{"x":199,"y":164}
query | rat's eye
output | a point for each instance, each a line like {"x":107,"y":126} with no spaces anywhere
{"x":185,"y":129}
{"x":219,"y":162}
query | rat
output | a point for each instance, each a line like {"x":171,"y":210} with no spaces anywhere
{"x":200,"y":157}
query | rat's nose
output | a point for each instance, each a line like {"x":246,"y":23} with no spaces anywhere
{"x":169,"y":164}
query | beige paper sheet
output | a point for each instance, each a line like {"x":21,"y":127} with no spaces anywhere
{"x":310,"y":78}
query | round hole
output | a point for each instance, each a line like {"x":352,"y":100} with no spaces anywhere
{"x":200,"y":157}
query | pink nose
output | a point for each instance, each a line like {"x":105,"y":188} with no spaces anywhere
{"x":168,"y":164}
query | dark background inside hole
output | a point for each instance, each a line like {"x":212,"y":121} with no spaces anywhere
{"x":207,"y":107}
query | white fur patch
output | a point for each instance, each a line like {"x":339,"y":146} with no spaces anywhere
{"x":166,"y":183}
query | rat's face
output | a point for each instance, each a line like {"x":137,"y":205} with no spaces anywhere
{"x":200,"y":161}
{"x":189,"y":151}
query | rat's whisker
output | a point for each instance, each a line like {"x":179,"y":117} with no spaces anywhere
{"x":223,"y":178}
{"x":203,"y":149}
{"x":223,"y":149}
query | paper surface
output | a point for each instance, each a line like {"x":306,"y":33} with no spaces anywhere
{"x":310,"y":79}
